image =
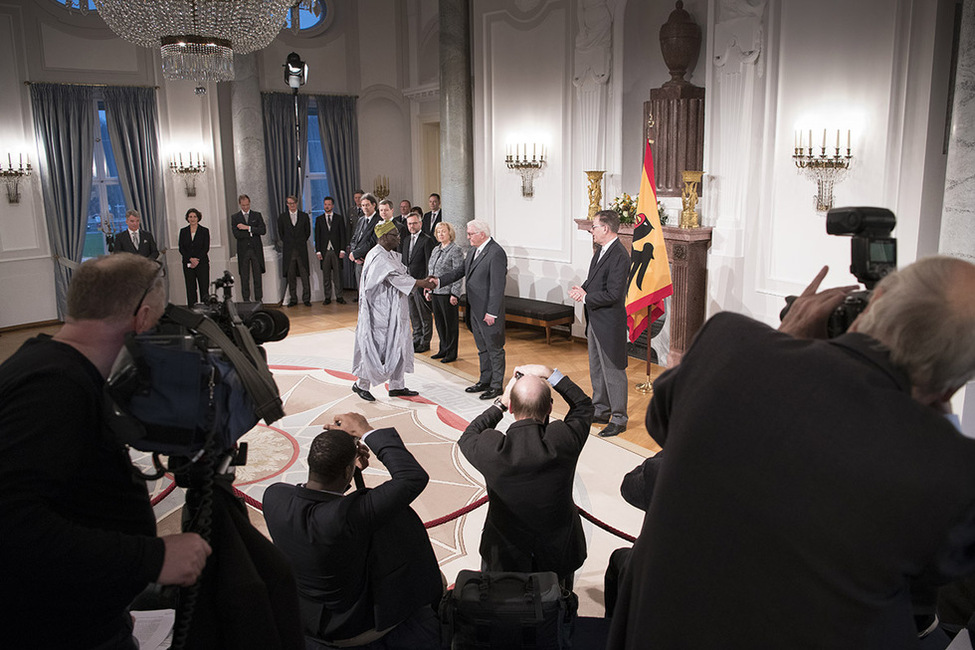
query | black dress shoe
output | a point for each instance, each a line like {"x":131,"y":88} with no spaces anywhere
{"x":292,"y":303}
{"x":403,"y":392}
{"x":477,"y":388}
{"x":308,"y":303}
{"x":364,"y":394}
{"x":491,"y":393}
{"x":600,"y":420}
{"x":421,"y":348}
{"x":448,"y":359}
{"x":327,"y":301}
{"x":438,"y":355}
{"x":612,"y":430}
{"x":340,"y":300}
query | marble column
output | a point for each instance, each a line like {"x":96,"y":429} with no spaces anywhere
{"x":456,"y":114}
{"x":958,"y":217}
{"x":958,"y":214}
{"x":250,"y":168}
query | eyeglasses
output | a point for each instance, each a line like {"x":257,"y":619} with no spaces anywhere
{"x":160,"y":272}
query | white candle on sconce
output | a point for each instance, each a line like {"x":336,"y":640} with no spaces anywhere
{"x":824,"y":139}
{"x":837,"y":140}
{"x":848,"y":141}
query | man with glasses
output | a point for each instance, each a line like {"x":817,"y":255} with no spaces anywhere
{"x":486,"y":271}
{"x":294,"y":230}
{"x":79,"y":538}
{"x":603,"y":296}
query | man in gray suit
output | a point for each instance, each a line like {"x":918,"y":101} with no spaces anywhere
{"x":603,"y":296}
{"x":485,"y":270}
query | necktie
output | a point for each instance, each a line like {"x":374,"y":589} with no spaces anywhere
{"x":135,"y":239}
{"x":409,"y":253}
{"x":328,"y":225}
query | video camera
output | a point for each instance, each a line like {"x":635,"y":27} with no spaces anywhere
{"x":197,"y":382}
{"x":873,"y":255}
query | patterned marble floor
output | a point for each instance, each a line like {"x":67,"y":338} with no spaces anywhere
{"x":313,"y":374}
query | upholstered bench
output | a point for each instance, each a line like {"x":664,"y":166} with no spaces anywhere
{"x":535,"y":312}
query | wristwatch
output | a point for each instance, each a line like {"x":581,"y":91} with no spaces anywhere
{"x":500,"y":405}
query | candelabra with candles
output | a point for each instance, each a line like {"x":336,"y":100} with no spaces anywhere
{"x":527,"y":167}
{"x":188,"y":172}
{"x":12,"y":174}
{"x":382,"y":187}
{"x":825,"y":168}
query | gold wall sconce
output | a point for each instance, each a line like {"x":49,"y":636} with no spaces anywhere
{"x":827,"y":167}
{"x":188,"y":172}
{"x":527,"y":166}
{"x":12,"y":175}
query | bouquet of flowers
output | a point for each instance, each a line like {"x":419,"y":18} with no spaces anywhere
{"x":625,"y":206}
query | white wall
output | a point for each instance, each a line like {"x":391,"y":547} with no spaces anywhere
{"x":878,"y":66}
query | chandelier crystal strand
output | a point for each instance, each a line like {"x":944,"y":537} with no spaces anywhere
{"x":197,"y":38}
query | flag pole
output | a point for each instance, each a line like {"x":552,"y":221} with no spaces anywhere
{"x":647,"y":386}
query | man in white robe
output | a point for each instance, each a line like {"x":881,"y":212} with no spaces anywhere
{"x":383,"y":338}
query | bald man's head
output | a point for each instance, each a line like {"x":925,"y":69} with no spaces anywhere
{"x":531,"y":398}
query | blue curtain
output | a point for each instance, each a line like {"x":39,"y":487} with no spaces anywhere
{"x":133,"y":121}
{"x":281,"y":150}
{"x":338,"y":125}
{"x":64,"y":128}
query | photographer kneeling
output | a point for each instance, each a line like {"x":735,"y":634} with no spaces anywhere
{"x":367,"y":574}
{"x":79,"y":540}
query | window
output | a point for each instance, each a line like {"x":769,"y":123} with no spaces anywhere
{"x":81,"y":6}
{"x":106,"y":204}
{"x":301,"y":19}
{"x":316,"y":186}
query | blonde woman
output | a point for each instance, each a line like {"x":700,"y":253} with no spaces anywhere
{"x":445,"y":257}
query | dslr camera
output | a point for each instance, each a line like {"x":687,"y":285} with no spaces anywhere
{"x":873,"y":254}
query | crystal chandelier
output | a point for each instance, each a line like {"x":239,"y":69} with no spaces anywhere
{"x":197,"y":38}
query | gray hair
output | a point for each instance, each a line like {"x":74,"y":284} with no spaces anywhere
{"x":480,"y":226}
{"x":132,"y":212}
{"x":925,"y":315}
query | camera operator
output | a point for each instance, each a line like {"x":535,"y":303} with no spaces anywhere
{"x":79,"y":535}
{"x":794,"y":508}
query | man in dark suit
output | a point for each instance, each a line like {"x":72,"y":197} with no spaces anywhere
{"x":805,"y":482}
{"x":532,"y":522}
{"x":485,"y":269}
{"x":135,"y":239}
{"x":248,"y":226}
{"x":603,"y":295}
{"x":404,"y":211}
{"x":416,"y":247}
{"x":364,"y":237}
{"x":434,"y":216}
{"x":330,"y":242}
{"x":363,"y":561}
{"x":294,"y":229}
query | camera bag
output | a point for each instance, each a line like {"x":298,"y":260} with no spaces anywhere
{"x":507,"y":610}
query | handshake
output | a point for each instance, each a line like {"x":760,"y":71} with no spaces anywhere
{"x":429,"y":283}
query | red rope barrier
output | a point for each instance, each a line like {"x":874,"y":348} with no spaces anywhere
{"x":607,"y":527}
{"x":162,"y":495}
{"x":460,"y":512}
{"x":457,"y":513}
{"x":251,"y":501}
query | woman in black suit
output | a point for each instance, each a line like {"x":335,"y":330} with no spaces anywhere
{"x":445,"y":257}
{"x":194,"y":246}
